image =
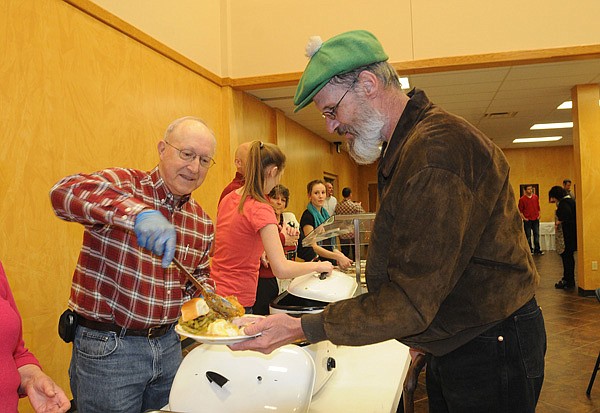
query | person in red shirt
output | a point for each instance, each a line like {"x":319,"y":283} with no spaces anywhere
{"x":529,"y":209}
{"x":20,"y":371}
{"x":241,"y":155}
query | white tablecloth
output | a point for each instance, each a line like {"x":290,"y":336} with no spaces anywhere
{"x":547,"y":236}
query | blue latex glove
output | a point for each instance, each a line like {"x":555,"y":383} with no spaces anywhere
{"x":155,"y":233}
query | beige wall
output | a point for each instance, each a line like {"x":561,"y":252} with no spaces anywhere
{"x":240,"y":38}
{"x":196,"y":29}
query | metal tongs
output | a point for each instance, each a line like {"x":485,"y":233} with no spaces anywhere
{"x":218,"y":304}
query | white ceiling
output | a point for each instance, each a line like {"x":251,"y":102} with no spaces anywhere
{"x":529,"y":94}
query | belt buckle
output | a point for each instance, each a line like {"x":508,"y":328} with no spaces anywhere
{"x":154,"y":331}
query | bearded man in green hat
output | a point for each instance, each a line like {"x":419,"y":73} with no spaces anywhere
{"x":449,"y":271}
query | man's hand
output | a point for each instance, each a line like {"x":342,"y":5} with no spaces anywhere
{"x":276,"y":331}
{"x":155,"y":233}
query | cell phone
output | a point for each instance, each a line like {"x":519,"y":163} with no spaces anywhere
{"x":67,"y":325}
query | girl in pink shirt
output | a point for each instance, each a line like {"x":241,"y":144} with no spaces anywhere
{"x":246,"y":226}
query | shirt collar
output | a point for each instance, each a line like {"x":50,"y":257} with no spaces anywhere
{"x":166,"y":197}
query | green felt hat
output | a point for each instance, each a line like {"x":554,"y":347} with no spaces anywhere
{"x":336,"y":56}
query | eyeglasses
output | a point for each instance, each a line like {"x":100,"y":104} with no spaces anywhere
{"x":189,"y":156}
{"x":330,"y":114}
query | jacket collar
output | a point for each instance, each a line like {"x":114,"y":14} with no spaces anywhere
{"x":416,"y":106}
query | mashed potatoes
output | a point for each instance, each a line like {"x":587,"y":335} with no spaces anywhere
{"x":223,"y":328}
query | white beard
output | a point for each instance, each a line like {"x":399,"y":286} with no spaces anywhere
{"x":365,"y":146}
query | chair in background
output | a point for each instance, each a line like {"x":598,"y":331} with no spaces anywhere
{"x":596,"y":368}
{"x":411,"y":381}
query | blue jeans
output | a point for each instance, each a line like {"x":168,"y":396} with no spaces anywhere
{"x":501,"y":370}
{"x":533,"y":226}
{"x":113,"y":373}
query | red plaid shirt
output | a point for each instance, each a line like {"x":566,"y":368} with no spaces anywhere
{"x":348,"y":207}
{"x":116,"y":280}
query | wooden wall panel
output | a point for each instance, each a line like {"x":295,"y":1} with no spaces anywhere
{"x":544,"y":166}
{"x":309,"y":157}
{"x":77,"y":96}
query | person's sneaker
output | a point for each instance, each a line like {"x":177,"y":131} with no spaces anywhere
{"x":538,"y":253}
{"x":562,"y":285}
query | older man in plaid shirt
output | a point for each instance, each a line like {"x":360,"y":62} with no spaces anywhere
{"x":126,"y":296}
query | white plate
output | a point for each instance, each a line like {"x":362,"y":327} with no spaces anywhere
{"x":226,"y":340}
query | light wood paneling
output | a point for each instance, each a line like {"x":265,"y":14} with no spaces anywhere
{"x":544,"y":166}
{"x":309,"y":157}
{"x":586,"y":118}
{"x":77,"y":96}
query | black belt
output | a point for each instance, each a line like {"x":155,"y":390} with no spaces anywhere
{"x":152,"y":332}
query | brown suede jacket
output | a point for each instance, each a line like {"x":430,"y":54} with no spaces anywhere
{"x":448,"y":258}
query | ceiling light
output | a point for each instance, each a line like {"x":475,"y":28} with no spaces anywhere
{"x":557,"y":125}
{"x":568,"y":104}
{"x":542,"y":139}
{"x":404,"y":83}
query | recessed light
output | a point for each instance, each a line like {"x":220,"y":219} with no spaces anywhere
{"x":557,"y":125}
{"x":541,"y":139}
{"x":567,"y":104}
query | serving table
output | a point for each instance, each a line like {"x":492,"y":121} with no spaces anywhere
{"x":368,"y":379}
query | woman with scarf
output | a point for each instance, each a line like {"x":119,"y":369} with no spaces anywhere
{"x":313,"y":216}
{"x":247,"y":226}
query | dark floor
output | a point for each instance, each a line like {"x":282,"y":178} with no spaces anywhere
{"x":573,"y":329}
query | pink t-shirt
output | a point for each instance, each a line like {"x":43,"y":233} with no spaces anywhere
{"x":13,"y":353}
{"x":238,"y":247}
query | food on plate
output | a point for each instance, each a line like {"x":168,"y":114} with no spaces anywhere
{"x":240,"y":310}
{"x":194,"y":308}
{"x":197,"y":318}
{"x":227,"y":307}
{"x":222,"y":327}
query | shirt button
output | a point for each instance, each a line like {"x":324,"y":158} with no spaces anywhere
{"x":168,"y":292}
{"x":124,"y":217}
{"x":500,"y":338}
{"x":128,"y":209}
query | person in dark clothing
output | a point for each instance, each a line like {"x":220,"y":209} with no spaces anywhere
{"x":566,"y":234}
